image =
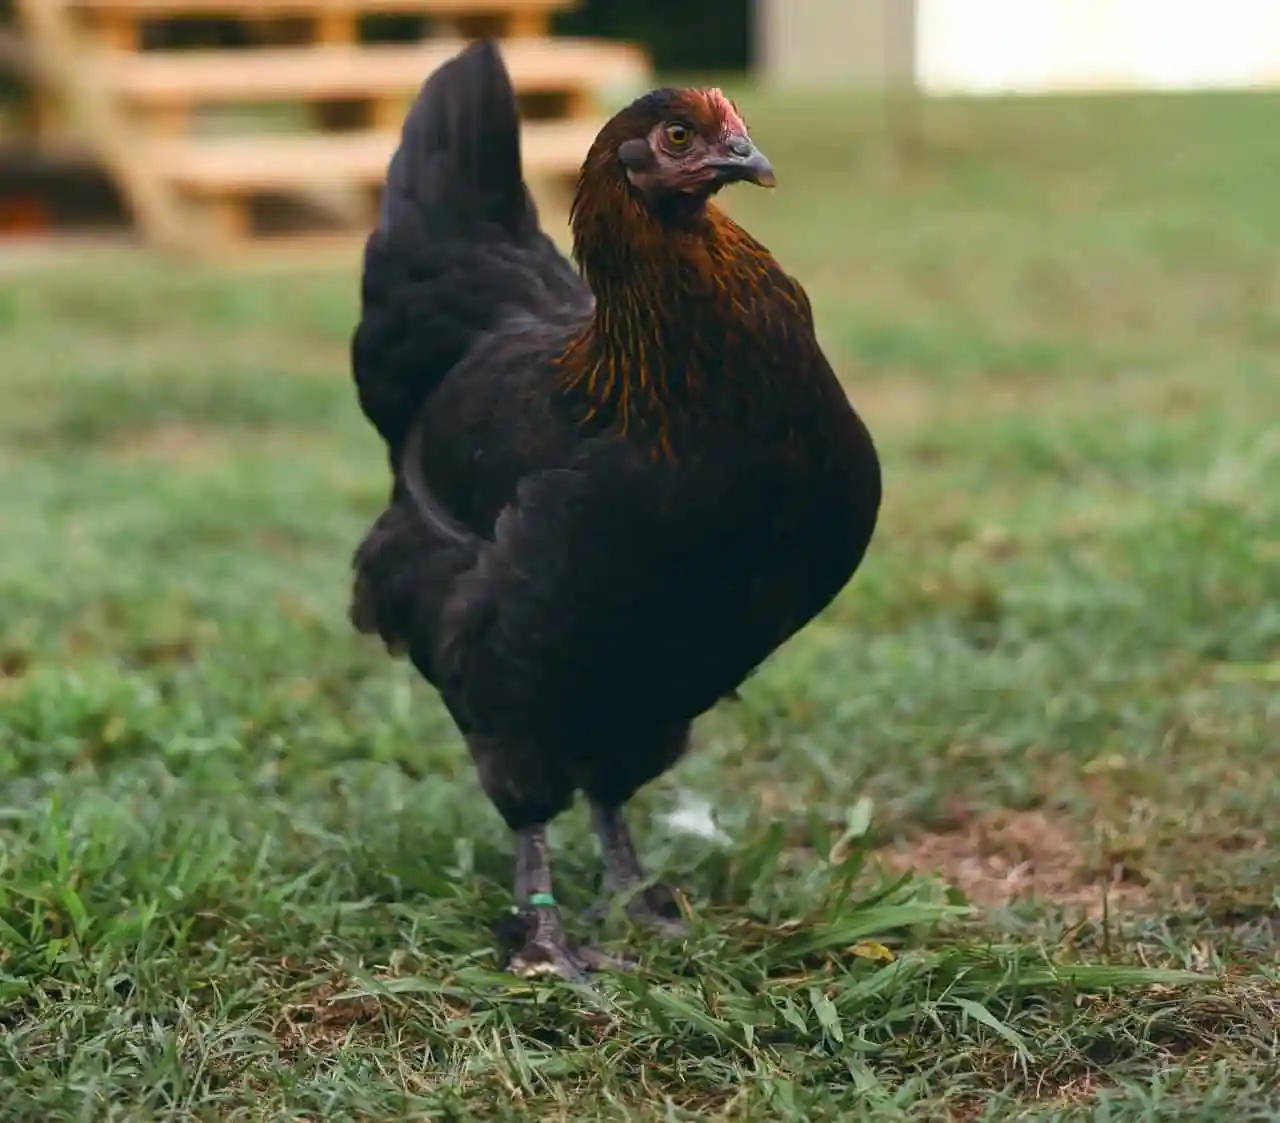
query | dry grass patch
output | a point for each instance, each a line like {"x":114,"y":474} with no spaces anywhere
{"x":195,"y":448}
{"x":1007,"y":856}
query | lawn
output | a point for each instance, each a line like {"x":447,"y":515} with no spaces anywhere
{"x":246,"y":871}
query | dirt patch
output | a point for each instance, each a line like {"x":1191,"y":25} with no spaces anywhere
{"x":1009,"y":856}
{"x":902,"y":403}
{"x":324,"y":1019}
{"x":194,"y":448}
{"x":1047,"y":1094}
{"x":907,"y":403}
{"x":184,"y":445}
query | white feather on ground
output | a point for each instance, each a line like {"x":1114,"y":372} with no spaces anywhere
{"x":694,"y":816}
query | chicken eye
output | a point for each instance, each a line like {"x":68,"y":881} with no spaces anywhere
{"x":678,"y":135}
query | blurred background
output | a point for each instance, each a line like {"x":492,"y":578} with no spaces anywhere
{"x":197,"y":123}
{"x":1041,"y":240}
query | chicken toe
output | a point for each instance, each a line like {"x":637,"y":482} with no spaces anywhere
{"x":654,"y":906}
{"x":549,"y":951}
{"x":547,"y":948}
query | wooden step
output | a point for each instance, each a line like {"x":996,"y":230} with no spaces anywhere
{"x":159,"y":9}
{"x":16,"y":56}
{"x":160,"y":79}
{"x":300,"y":162}
{"x":53,"y":39}
{"x":120,"y":22}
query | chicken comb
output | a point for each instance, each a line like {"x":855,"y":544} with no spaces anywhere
{"x":714,"y":108}
{"x":710,"y":109}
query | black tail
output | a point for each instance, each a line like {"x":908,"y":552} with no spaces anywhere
{"x":457,"y":251}
{"x":458,"y":164}
{"x":404,"y":571}
{"x":454,"y":187}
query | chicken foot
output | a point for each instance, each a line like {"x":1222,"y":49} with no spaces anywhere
{"x":654,"y":906}
{"x":548,"y":950}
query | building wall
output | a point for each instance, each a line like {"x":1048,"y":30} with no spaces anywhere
{"x":835,"y":42}
{"x":996,"y":46}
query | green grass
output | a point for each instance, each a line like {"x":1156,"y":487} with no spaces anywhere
{"x":245,"y":869}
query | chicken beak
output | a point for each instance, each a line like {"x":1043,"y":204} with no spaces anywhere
{"x":758,"y":170}
{"x":743,"y":162}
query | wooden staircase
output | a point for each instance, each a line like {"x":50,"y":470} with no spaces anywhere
{"x":291,"y":105}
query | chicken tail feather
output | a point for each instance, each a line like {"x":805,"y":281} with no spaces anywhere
{"x":406,"y":565}
{"x":457,"y":247}
{"x":457,"y":254}
{"x":458,"y":164}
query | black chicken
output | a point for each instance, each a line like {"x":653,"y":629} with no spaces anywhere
{"x":614,"y":494}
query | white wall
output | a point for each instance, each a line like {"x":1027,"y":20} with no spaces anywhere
{"x":990,"y":46}
{"x":834,"y":42}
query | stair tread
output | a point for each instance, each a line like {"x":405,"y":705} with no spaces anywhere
{"x":295,"y":161}
{"x":536,"y":65}
{"x":160,"y":8}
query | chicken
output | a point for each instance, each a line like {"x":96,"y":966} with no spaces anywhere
{"x":615,"y":490}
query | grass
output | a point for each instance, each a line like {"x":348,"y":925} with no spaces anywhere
{"x":245,"y":869}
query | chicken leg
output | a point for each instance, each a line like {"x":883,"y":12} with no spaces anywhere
{"x":547,"y":950}
{"x":654,"y":906}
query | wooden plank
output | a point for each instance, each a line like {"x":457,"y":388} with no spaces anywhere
{"x":295,"y":162}
{"x":56,"y":156}
{"x":53,"y":38}
{"x":16,"y":56}
{"x":119,"y":30}
{"x":47,"y":117}
{"x":520,"y":23}
{"x":170,"y":120}
{"x":44,"y":116}
{"x":158,"y":78}
{"x":229,"y":218}
{"x":271,"y":252}
{"x":154,"y":9}
{"x":277,"y":252}
{"x":337,"y":26}
{"x":388,"y":112}
{"x":528,"y":23}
